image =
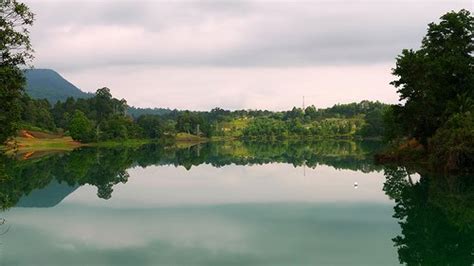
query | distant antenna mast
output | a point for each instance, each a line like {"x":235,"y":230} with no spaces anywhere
{"x":303,"y":103}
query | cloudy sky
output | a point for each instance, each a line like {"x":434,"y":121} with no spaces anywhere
{"x":232,"y":54}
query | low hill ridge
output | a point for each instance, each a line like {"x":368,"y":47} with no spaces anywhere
{"x":49,"y":84}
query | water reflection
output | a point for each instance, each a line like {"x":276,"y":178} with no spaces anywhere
{"x":436,"y":215}
{"x":280,"y":203}
{"x":104,"y":168}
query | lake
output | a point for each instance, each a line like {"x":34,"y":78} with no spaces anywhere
{"x":318,"y":203}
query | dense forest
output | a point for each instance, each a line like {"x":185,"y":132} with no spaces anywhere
{"x":103,"y":118}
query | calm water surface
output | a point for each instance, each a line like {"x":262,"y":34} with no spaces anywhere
{"x":222,"y":204}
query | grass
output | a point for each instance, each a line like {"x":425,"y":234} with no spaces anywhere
{"x":33,"y":147}
{"x":30,"y":144}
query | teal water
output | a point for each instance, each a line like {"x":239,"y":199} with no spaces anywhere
{"x":229,"y":204}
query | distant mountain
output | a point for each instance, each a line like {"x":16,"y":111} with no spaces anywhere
{"x":48,"y":84}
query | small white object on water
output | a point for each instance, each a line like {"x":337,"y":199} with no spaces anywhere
{"x":356,"y":185}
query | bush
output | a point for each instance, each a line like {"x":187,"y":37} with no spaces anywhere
{"x":81,"y":127}
{"x":453,"y":143}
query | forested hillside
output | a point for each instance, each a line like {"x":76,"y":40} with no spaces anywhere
{"x":50,"y":85}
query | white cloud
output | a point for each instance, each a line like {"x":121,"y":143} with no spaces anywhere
{"x":236,"y":54}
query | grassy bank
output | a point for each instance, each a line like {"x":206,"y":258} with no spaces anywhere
{"x":30,"y":143}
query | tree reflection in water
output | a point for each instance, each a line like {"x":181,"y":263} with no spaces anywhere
{"x":106,"y":167}
{"x":436,"y":215}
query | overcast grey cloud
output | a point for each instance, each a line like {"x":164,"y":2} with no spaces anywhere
{"x":121,"y":40}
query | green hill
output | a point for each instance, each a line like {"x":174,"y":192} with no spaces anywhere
{"x":50,"y":85}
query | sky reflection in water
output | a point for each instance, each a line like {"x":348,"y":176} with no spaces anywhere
{"x":246,"y":211}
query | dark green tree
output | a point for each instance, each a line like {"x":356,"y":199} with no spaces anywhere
{"x":151,"y":125}
{"x":15,"y":51}
{"x":81,"y":128}
{"x":36,"y":113}
{"x":104,"y":105}
{"x":438,"y":79}
{"x":193,"y":123}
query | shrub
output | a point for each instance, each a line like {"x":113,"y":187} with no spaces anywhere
{"x":453,"y":143}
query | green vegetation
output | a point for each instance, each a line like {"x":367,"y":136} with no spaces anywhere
{"x":453,"y":143}
{"x":39,"y":145}
{"x":15,"y":51}
{"x":436,"y":84}
{"x":81,"y":127}
{"x":29,"y":142}
{"x":102,"y":118}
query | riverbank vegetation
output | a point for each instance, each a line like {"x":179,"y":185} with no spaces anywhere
{"x":436,"y":83}
{"x":103,"y":118}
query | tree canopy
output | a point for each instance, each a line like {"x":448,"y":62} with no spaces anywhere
{"x":15,"y":51}
{"x":437,"y":80}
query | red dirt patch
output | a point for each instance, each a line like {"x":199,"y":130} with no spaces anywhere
{"x":26,"y":134}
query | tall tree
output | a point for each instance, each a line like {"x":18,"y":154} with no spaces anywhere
{"x":15,"y":51}
{"x":438,"y":79}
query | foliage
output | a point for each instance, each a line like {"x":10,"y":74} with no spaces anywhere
{"x":265,"y":128}
{"x":437,"y":80}
{"x":436,"y":83}
{"x":151,"y":125}
{"x":193,"y":123}
{"x":105,"y":112}
{"x":15,"y":45}
{"x":11,"y":82}
{"x":111,"y":121}
{"x":36,"y":113}
{"x":374,"y":126}
{"x":15,"y":51}
{"x":453,"y":143}
{"x":81,"y":127}
{"x":136,"y":112}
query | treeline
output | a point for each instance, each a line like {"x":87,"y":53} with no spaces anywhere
{"x":364,"y":119}
{"x":436,"y":84}
{"x":103,"y":118}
